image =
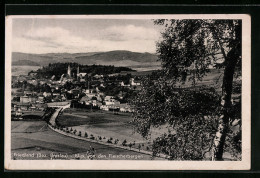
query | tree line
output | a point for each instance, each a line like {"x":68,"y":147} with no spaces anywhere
{"x":57,"y":69}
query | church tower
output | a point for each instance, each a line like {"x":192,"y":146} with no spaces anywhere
{"x":69,"y":71}
{"x":77,"y":75}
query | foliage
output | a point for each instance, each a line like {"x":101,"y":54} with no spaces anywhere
{"x":114,"y":90}
{"x":109,"y":141}
{"x":92,"y":137}
{"x":188,"y":49}
{"x":233,"y":143}
{"x":197,"y":45}
{"x":191,"y":139}
{"x":130,"y":145}
{"x":57,"y":69}
{"x":191,"y":115}
{"x":159,"y":102}
{"x":124,"y":143}
{"x":116,"y":141}
{"x":48,"y":113}
{"x":37,"y":88}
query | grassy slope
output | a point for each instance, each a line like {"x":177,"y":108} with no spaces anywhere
{"x":46,"y":141}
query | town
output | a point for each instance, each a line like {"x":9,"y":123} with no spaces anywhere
{"x":109,"y":92}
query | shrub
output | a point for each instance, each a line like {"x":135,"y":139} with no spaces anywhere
{"x":130,"y":145}
{"x":124,"y":143}
{"x":109,"y":141}
{"x":86,"y":134}
{"x":116,"y":141}
{"x":92,"y":137}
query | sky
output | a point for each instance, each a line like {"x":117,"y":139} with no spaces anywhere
{"x":52,"y":35}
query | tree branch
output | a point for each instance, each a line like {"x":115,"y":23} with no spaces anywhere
{"x":220,"y":44}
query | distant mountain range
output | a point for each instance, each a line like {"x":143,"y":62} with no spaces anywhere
{"x":116,"y":58}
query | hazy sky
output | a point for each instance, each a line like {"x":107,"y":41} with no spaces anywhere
{"x":34,"y":35}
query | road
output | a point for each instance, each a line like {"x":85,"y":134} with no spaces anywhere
{"x":34,"y":140}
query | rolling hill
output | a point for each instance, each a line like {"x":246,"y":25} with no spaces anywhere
{"x":116,"y":58}
{"x":25,"y":63}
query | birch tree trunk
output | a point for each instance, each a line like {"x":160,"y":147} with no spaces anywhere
{"x":219,"y":140}
{"x":231,"y":60}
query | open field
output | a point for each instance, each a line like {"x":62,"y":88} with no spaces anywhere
{"x":84,"y":116}
{"x":34,"y":140}
{"x":23,"y":70}
{"x":107,"y":125}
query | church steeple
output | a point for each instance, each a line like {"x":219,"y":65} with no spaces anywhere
{"x":78,"y":70}
{"x":69,"y":71}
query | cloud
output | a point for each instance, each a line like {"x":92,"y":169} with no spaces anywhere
{"x":57,"y":39}
{"x":130,"y":32}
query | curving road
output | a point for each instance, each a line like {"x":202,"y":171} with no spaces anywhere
{"x":34,"y":140}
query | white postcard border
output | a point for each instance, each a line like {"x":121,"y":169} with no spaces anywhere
{"x":245,"y":164}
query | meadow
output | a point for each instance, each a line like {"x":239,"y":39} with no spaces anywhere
{"x":107,"y":125}
{"x":35,"y":137}
{"x":23,"y":70}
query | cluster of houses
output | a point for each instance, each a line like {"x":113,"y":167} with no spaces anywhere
{"x":84,"y":92}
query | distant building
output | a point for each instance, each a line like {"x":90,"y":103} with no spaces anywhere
{"x":16,"y":90}
{"x":82,"y":74}
{"x":28,"y":92}
{"x":22,"y":106}
{"x":104,"y":107}
{"x":40,"y":99}
{"x":33,"y":82}
{"x":85,"y":100}
{"x":123,"y":84}
{"x":134,"y":82}
{"x":98,"y":76}
{"x":87,"y":91}
{"x":110,"y":100}
{"x":75,"y":92}
{"x":28,"y":99}
{"x":125,"y":108}
{"x":96,"y":103}
{"x":46,"y":94}
{"x":59,"y":104}
{"x":82,"y":80}
{"x":24,"y":99}
{"x":32,"y":99}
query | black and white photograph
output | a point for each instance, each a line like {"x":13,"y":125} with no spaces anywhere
{"x":141,"y":92}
